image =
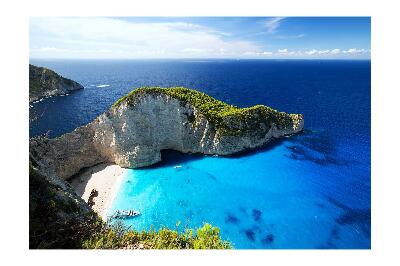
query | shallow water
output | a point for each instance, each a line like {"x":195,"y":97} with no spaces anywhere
{"x":264,"y":199}
{"x":308,"y":191}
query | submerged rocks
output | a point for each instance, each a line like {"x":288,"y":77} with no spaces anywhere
{"x":44,"y":82}
{"x":134,"y":131}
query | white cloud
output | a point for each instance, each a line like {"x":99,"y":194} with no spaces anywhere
{"x":272,"y":24}
{"x":335,"y":51}
{"x":193,"y":50}
{"x":267,"y":53}
{"x":285,"y":37}
{"x":324,"y":51}
{"x":47,"y":49}
{"x":356,"y":51}
{"x":252,"y":53}
{"x":311,"y":52}
{"x":91,"y":37}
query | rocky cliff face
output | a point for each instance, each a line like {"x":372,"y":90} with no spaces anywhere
{"x":135,"y":130}
{"x":44,"y":82}
{"x":58,"y":217}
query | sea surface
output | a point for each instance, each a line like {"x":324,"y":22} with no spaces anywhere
{"x":312,"y":190}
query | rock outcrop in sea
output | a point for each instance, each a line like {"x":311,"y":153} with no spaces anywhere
{"x":134,"y":131}
{"x":44,"y":82}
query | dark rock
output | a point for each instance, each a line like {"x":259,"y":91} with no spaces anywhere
{"x":256,"y":214}
{"x":231,"y":219}
{"x":250,"y":234}
{"x":268,"y":239}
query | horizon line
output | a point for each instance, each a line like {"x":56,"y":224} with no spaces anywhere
{"x":200,"y":58}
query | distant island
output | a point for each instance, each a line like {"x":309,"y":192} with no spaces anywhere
{"x":131,"y":134}
{"x":44,"y":82}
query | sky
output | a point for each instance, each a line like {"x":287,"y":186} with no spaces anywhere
{"x":200,"y":37}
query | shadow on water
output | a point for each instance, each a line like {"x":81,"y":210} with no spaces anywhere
{"x":361,"y":217}
{"x":174,"y":158}
{"x":308,"y":145}
{"x":315,"y":147}
{"x":356,"y":218}
{"x":266,"y":147}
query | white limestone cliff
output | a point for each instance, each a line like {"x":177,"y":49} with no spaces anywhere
{"x":133,"y":135}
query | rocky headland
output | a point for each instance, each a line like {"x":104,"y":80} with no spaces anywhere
{"x":134,"y":131}
{"x":44,"y":82}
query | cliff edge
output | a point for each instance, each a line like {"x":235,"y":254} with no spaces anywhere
{"x":44,"y":82}
{"x":137,"y":127}
{"x":58,"y":217}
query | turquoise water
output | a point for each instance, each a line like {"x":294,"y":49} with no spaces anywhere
{"x":262,"y":199}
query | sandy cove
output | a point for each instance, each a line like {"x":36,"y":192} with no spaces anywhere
{"x":106,"y":179}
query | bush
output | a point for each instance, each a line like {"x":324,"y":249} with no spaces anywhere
{"x":116,"y":236}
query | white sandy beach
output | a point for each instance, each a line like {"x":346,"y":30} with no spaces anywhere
{"x":106,"y":179}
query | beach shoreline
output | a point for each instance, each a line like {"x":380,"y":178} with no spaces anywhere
{"x":103,"y":178}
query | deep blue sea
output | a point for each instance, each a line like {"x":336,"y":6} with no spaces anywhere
{"x":309,"y":191}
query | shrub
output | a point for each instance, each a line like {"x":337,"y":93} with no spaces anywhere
{"x":116,"y":236}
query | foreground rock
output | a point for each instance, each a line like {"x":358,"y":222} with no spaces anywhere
{"x":137,"y":127}
{"x":44,"y":82}
{"x":58,"y":217}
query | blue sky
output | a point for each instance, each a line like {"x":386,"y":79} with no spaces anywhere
{"x":201,"y":37}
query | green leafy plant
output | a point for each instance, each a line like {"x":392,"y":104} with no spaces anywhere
{"x":116,"y":236}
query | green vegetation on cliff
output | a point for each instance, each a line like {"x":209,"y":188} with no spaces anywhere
{"x":117,"y":236}
{"x":228,"y":119}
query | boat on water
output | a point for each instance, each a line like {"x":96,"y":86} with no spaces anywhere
{"x":178,"y":166}
{"x":122,"y":214}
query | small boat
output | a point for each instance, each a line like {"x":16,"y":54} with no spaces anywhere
{"x":177,"y":166}
{"x":121,"y":214}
